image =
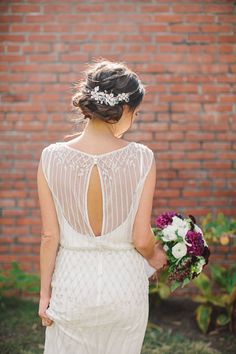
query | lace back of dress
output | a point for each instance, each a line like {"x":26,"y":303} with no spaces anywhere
{"x":121,"y":172}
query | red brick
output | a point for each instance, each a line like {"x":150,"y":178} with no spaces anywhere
{"x":26,"y":240}
{"x":216,"y":28}
{"x":152,"y":28}
{"x":219,"y":8}
{"x":187,"y":8}
{"x":227,"y":38}
{"x":24,"y":8}
{"x":154,"y":8}
{"x":18,"y":27}
{"x":183,"y":28}
{"x":11,"y":58}
{"x":8,"y":37}
{"x":44,"y":18}
{"x":53,"y":8}
{"x":5,"y":18}
{"x":42,"y":37}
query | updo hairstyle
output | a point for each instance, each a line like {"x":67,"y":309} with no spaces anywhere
{"x":114,"y":77}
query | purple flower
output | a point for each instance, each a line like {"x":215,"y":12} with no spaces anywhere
{"x":166,"y":219}
{"x":197,"y":243}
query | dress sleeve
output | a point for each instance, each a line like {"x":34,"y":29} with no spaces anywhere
{"x":146,"y":158}
{"x":46,"y":161}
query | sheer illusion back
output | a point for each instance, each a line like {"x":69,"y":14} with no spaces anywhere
{"x":73,"y":177}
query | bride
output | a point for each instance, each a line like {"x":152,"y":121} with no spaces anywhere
{"x":97,"y":246}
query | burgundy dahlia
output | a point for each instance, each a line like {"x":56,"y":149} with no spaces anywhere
{"x":166,"y":219}
{"x":197,"y":243}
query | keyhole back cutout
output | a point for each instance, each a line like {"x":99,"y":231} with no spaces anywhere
{"x":95,"y":202}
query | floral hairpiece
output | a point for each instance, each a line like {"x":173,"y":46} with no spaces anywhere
{"x":109,"y":98}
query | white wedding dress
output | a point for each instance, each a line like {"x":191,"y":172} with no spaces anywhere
{"x":99,"y":301}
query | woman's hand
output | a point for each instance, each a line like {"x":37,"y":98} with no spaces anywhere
{"x":43,"y":305}
{"x":159,"y":259}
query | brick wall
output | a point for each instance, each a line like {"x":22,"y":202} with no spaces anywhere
{"x":185,"y":51}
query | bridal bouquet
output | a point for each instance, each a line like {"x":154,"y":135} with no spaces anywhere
{"x":185,"y":246}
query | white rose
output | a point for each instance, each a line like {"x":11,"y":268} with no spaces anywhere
{"x":182,"y":231}
{"x":169,"y":233}
{"x":179,"y":250}
{"x":182,"y":226}
{"x":177,"y":222}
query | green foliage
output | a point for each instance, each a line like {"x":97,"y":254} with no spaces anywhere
{"x":175,"y":285}
{"x":203,"y":283}
{"x":15,"y":279}
{"x":219,"y":229}
{"x":203,"y":315}
{"x":226,"y":278}
{"x":160,"y":340}
{"x":20,"y":327}
{"x":222,"y":319}
{"x":161,"y":288}
{"x":223,"y":279}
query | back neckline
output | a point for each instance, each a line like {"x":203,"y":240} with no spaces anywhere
{"x":96,"y":155}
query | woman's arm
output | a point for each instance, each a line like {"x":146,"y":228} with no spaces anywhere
{"x":50,"y":234}
{"x":143,"y":235}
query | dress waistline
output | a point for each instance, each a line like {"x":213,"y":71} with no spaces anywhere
{"x":100,"y":247}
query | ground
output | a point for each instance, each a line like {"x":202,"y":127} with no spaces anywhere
{"x":177,"y":315}
{"x":171,"y":329}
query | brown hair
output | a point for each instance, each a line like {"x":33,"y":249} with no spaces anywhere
{"x":113,"y":77}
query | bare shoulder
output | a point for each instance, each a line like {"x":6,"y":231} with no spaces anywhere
{"x":125,"y":142}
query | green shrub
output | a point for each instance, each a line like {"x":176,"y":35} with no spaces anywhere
{"x":221,"y":229}
{"x":225,"y":298}
{"x":15,"y":281}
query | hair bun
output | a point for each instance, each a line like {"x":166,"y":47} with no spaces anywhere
{"x":110,"y":77}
